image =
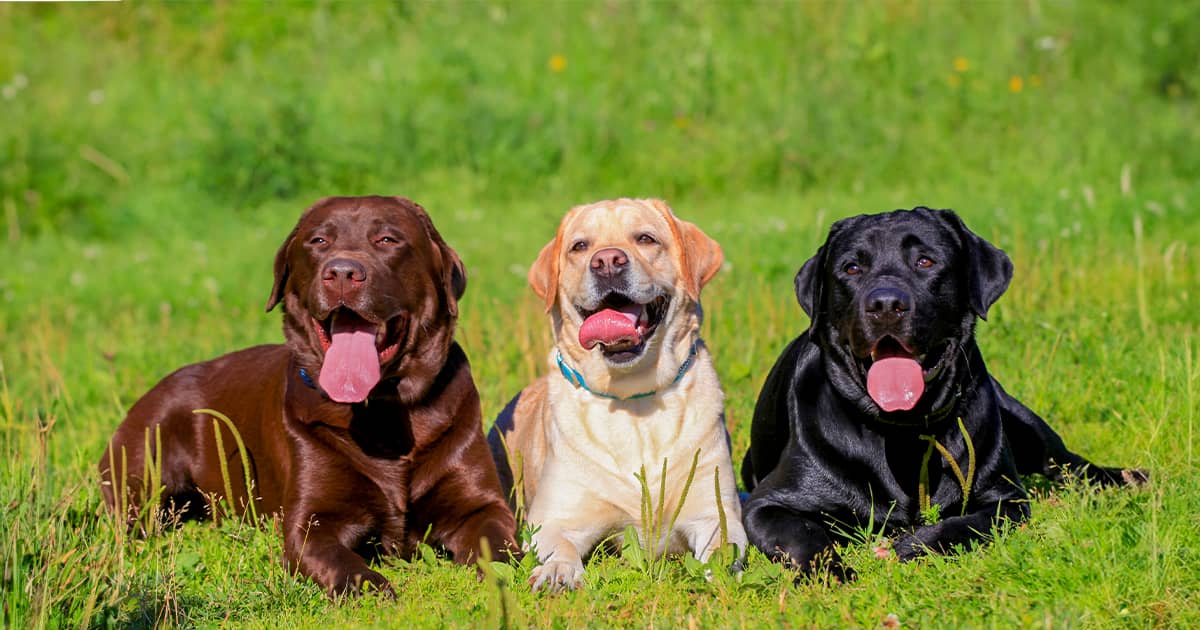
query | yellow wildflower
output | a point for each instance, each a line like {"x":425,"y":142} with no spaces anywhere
{"x":557,"y":63}
{"x":1015,"y":84}
{"x":961,"y":64}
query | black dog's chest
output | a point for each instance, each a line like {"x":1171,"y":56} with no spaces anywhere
{"x":921,"y":476}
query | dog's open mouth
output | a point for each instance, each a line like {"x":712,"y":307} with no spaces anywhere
{"x":354,"y":348}
{"x":621,"y":326}
{"x":896,"y":375}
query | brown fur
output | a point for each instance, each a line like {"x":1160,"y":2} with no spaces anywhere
{"x":350,"y":480}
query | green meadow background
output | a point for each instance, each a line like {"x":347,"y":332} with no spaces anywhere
{"x":153,"y":156}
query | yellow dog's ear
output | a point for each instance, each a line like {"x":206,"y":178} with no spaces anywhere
{"x":700,"y":257}
{"x":543,"y":275}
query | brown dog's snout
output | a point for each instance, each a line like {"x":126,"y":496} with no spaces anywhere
{"x":344,"y":274}
{"x":887,"y":304}
{"x":609,"y":262}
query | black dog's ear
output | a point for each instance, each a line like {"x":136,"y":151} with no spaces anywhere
{"x":808,"y":283}
{"x":281,"y":270}
{"x":989,"y":269}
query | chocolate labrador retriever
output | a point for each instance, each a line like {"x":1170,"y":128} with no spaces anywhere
{"x":363,"y":430}
{"x":883,"y":409}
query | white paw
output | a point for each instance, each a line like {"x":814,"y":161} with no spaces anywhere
{"x":557,"y":576}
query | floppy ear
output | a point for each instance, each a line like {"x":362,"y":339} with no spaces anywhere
{"x":989,"y":269}
{"x":453,"y":273}
{"x":700,"y":257}
{"x":809,"y":285}
{"x":281,"y":270}
{"x":543,"y":275}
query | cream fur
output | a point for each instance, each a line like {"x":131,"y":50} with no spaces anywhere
{"x":575,"y":453}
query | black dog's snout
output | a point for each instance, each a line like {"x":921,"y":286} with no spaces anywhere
{"x":609,"y":262}
{"x":343,"y":271}
{"x":887,"y":303}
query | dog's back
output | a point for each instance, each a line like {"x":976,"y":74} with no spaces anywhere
{"x":184,"y":456}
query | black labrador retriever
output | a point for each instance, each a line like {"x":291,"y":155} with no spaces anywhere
{"x":883,"y":410}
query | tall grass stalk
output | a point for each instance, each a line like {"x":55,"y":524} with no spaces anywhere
{"x":251,"y":505}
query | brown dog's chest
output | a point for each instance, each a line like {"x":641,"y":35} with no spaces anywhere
{"x":362,"y":453}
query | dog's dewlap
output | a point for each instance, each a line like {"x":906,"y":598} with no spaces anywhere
{"x":351,"y":366}
{"x":895,"y":383}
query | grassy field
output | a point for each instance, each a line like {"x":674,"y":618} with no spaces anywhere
{"x":152,"y":157}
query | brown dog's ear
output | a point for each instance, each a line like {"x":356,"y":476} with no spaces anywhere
{"x":543,"y":274}
{"x":454,"y":276}
{"x":449,"y":265}
{"x":700,"y":257}
{"x":989,"y":269}
{"x":281,"y":270}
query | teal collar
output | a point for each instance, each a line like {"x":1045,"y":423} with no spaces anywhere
{"x":576,"y":379}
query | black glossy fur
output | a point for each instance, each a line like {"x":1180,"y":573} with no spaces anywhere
{"x":825,"y":459}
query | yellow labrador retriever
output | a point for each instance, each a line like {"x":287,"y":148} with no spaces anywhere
{"x":631,"y":384}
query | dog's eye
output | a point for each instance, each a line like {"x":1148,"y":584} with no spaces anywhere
{"x":925,"y":262}
{"x":387,"y":239}
{"x":852,"y":269}
{"x":579,"y":246}
{"x":317,"y":240}
{"x":646,"y":239}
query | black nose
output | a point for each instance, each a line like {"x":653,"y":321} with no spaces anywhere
{"x":607,"y":263}
{"x":344,"y":271}
{"x":887,"y":303}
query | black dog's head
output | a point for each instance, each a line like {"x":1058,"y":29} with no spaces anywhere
{"x":893,"y":299}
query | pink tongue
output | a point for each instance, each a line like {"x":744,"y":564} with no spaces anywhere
{"x":895,"y":383}
{"x":611,"y":326}
{"x":351,"y":367}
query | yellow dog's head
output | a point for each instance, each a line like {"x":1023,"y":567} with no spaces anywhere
{"x":621,"y":281}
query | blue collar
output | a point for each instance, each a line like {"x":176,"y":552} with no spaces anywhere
{"x":576,"y":379}
{"x":304,"y":377}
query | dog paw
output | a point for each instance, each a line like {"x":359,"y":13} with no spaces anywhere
{"x":557,"y":576}
{"x":365,"y":583}
{"x":825,"y":565}
{"x":1135,"y":476}
{"x":909,"y":547}
{"x":832,"y":572}
{"x":840,"y":572}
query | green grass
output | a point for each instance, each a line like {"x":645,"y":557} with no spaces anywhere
{"x":152,"y":157}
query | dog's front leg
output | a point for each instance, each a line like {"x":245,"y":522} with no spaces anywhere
{"x":965,"y":531}
{"x":796,"y":539}
{"x":464,"y":536}
{"x":704,"y":535}
{"x":560,"y":552}
{"x":313,"y":546}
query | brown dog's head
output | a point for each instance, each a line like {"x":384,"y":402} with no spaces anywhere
{"x":370,"y":294}
{"x":621,"y":281}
